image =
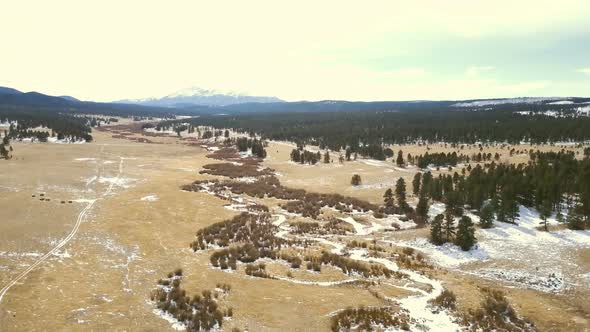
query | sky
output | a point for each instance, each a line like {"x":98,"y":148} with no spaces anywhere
{"x":297,"y":50}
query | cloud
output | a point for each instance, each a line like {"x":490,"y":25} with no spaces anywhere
{"x":584,"y":71}
{"x":475,"y":71}
{"x":360,"y":51}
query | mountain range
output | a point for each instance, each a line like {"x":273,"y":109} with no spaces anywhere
{"x":198,"y":96}
{"x":196,"y":101}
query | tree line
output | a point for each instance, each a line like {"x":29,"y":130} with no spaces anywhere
{"x":367,"y":133}
{"x":551,"y":182}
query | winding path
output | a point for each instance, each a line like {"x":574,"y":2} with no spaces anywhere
{"x":67,"y":239}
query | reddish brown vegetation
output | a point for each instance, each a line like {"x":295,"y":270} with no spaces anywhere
{"x":302,"y":202}
{"x":234,"y":170}
{"x":367,"y":319}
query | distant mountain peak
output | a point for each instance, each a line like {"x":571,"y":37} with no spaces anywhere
{"x":200,"y":96}
{"x":198,"y":91}
{"x":9,"y":91}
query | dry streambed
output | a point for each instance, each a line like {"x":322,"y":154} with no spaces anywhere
{"x":420,"y":313}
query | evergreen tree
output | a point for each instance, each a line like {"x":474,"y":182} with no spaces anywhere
{"x":426,"y":184}
{"x":436,"y":230}
{"x":545,"y":212}
{"x":295,"y":155}
{"x":400,"y":159}
{"x":416,"y":183}
{"x":449,"y":227}
{"x":422,"y":208}
{"x":575,"y":220}
{"x":465,"y":234}
{"x":327,"y":157}
{"x":400,"y":194}
{"x":388,"y":199}
{"x":486,"y":216}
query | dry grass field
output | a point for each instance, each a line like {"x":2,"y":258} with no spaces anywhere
{"x":129,"y":224}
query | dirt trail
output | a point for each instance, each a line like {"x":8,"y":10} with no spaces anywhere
{"x":67,"y":239}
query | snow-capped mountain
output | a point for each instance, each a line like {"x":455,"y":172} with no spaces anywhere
{"x":199,"y":96}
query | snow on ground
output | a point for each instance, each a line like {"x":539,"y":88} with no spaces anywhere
{"x":237,"y":207}
{"x":420,"y":309}
{"x":246,"y":179}
{"x":315,"y":283}
{"x":149,"y":198}
{"x":280,"y":219}
{"x":435,"y":209}
{"x":416,"y":305}
{"x":118,"y":181}
{"x":155,"y":131}
{"x":65,"y":141}
{"x":504,"y":240}
{"x":552,"y":282}
{"x":359,"y":228}
{"x":522,"y":254}
{"x":561,"y":102}
{"x":376,"y":163}
{"x":19,"y":254}
{"x":245,"y":154}
{"x":448,"y":254}
{"x":90,"y":180}
{"x":394,"y":221}
{"x":490,"y":102}
{"x":377,"y":185}
{"x":176,"y":325}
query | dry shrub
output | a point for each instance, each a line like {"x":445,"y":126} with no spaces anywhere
{"x":368,"y":319}
{"x":446,"y":299}
{"x":234,"y":171}
{"x":301,"y":202}
{"x":496,"y":314}
{"x":350,"y":266}
{"x":201,"y":312}
{"x":257,"y":270}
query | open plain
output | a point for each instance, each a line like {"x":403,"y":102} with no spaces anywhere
{"x":88,"y":229}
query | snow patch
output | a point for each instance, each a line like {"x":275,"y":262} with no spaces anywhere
{"x":149,"y":198}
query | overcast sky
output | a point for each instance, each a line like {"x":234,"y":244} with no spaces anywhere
{"x":298,"y":50}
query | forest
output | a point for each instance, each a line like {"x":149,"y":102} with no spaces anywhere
{"x":366,"y":132}
{"x":23,"y":122}
{"x":551,"y":182}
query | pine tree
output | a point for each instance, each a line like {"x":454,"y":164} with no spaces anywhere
{"x":388,"y":198}
{"x":295,"y":155}
{"x":449,"y":227}
{"x":426,"y":184}
{"x":416,"y":183}
{"x":575,"y":219}
{"x":422,"y":208}
{"x":400,"y":194}
{"x":545,"y":212}
{"x":436,"y":230}
{"x":400,"y":159}
{"x":465,"y":234}
{"x":486,"y":216}
{"x":327,"y":157}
